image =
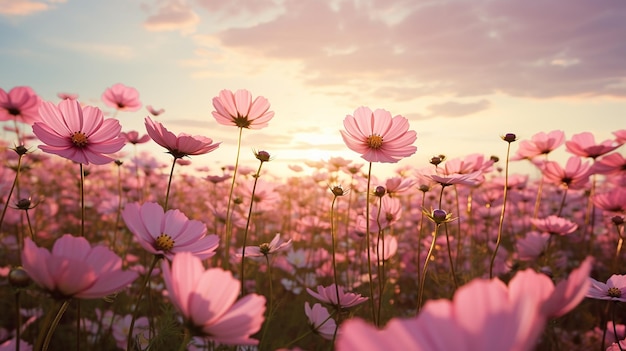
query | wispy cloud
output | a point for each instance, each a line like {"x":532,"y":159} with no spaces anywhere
{"x":101,"y":50}
{"x":173,"y":15}
{"x":457,"y":109}
{"x":448,"y":47}
{"x":26,"y":7}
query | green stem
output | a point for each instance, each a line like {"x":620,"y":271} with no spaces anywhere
{"x":81,"y":189}
{"x":15,"y":180}
{"x":186,"y":339}
{"x":129,"y":339}
{"x":245,"y":233}
{"x":229,"y":223}
{"x":420,"y":294}
{"x":54,"y":324}
{"x":332,"y":246}
{"x":169,"y":185}
{"x":506,"y":191}
{"x":368,"y":243}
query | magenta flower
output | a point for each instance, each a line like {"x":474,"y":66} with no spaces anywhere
{"x":80,"y":134}
{"x":584,"y":145}
{"x":614,"y":289}
{"x":377,"y":136}
{"x":554,"y":225}
{"x":328,"y":295}
{"x":181,"y":145}
{"x":614,"y":163}
{"x":239,"y":110}
{"x":613,"y":201}
{"x":539,"y":144}
{"x":167,"y":233}
{"x":207,"y":299}
{"x":620,"y":136}
{"x":20,"y":104}
{"x":74,"y":269}
{"x":320,"y":321}
{"x":122,"y":97}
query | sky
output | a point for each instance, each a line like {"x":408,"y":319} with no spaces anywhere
{"x":462,"y":72}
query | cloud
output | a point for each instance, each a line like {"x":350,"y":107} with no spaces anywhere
{"x":25,"y":7}
{"x":458,"y":48}
{"x":173,"y":15}
{"x":101,"y":50}
{"x":457,"y":109}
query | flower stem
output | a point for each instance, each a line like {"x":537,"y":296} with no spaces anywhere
{"x":420,"y":294}
{"x":129,"y":339}
{"x":186,"y":339}
{"x":229,"y":222}
{"x":367,"y":243}
{"x":245,"y":233}
{"x":53,"y":325}
{"x":332,"y":245}
{"x":81,"y":189}
{"x":506,"y":192}
{"x":15,"y":180}
{"x":169,"y":185}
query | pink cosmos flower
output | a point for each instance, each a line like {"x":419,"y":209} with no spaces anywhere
{"x":74,"y":269}
{"x":19,"y":104}
{"x":386,"y":247}
{"x":122,"y":98}
{"x":614,"y":289}
{"x":153,"y":111}
{"x":377,"y":136}
{"x":80,"y":134}
{"x":620,"y":136}
{"x":167,"y":233}
{"x":328,"y":295}
{"x":181,"y":145}
{"x":67,"y":96}
{"x":207,"y":299}
{"x":132,"y":137}
{"x":239,"y":110}
{"x":320,"y":321}
{"x":531,"y":246}
{"x":444,"y":179}
{"x":614,"y":163}
{"x":539,"y":144}
{"x":398,"y":185}
{"x":613,"y":201}
{"x":554,"y":225}
{"x":276,"y":245}
{"x":575,"y":175}
{"x":389,"y":213}
{"x":584,"y":145}
{"x":483,"y":315}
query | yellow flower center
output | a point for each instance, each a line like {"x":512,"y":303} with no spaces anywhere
{"x":375,"y":141}
{"x":79,"y":139}
{"x":614,"y":292}
{"x":164,"y":242}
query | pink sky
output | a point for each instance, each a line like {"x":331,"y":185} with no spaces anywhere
{"x":463,"y":72}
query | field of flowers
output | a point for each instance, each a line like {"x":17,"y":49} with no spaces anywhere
{"x":105,"y":253}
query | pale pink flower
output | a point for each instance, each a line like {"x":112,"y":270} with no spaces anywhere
{"x":539,"y":144}
{"x":614,"y":289}
{"x":121,"y":327}
{"x":470,"y":179}
{"x":167,"y":233}
{"x":276,"y":245}
{"x":207,"y":300}
{"x":620,"y":136}
{"x":132,"y":137}
{"x":239,"y":110}
{"x":554,"y":225}
{"x":328,"y":295}
{"x":614,"y":163}
{"x":398,"y":185}
{"x":584,"y":145}
{"x":75,"y":269}
{"x":20,"y":104}
{"x":575,"y":175}
{"x":483,"y":315}
{"x":377,"y":136}
{"x":153,"y":111}
{"x":80,"y":134}
{"x":122,"y":98}
{"x":612,"y":201}
{"x":320,"y":320}
{"x":181,"y":145}
{"x":67,"y":96}
{"x":382,"y":215}
{"x":386,"y":247}
{"x":531,"y":246}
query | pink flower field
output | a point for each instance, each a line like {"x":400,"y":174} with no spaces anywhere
{"x":101,"y":250}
